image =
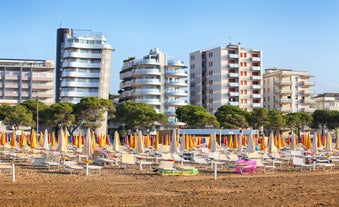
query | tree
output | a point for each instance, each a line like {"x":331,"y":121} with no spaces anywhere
{"x":275,"y":121}
{"x":33,"y":106}
{"x":321,"y":119}
{"x":259,"y":117}
{"x":232,"y":117}
{"x":137,"y":115}
{"x":196,"y":117}
{"x":89,"y":113}
{"x":4,"y":109}
{"x":19,"y":116}
{"x":291,"y":121}
{"x":333,"y":122}
{"x":60,"y":114}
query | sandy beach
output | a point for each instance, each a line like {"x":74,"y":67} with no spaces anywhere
{"x":132,"y":187}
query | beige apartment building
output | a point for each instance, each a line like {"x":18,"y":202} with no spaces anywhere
{"x":327,"y":101}
{"x":26,"y":79}
{"x":226,"y":75}
{"x":288,"y":90}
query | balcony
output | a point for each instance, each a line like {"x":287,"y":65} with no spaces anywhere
{"x":170,"y":112}
{"x":307,"y":83}
{"x":147,"y":81}
{"x":285,"y":110}
{"x":79,"y":84}
{"x":146,"y":91}
{"x":176,"y":73}
{"x":153,"y":101}
{"x":256,"y":95}
{"x":283,"y":83}
{"x":234,"y":103}
{"x":307,"y":92}
{"x":176,"y":83}
{"x":80,"y":65}
{"x":256,"y":77}
{"x":233,"y":65}
{"x":178,"y":63}
{"x":81,"y":75}
{"x":233,"y":75}
{"x":256,"y":105}
{"x":233,"y":84}
{"x":256,"y":59}
{"x":138,"y":72}
{"x":233,"y":56}
{"x":177,"y":93}
{"x":283,"y":100}
{"x":176,"y":102}
{"x":256,"y":68}
{"x":233,"y":93}
{"x":256,"y":86}
{"x":308,"y":101}
{"x":81,"y":55}
{"x":282,"y":91}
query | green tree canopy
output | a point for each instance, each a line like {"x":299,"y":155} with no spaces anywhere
{"x":232,"y":117}
{"x":60,"y":114}
{"x":137,"y":115}
{"x":196,"y":117}
{"x":320,"y":119}
{"x":259,"y":117}
{"x":275,"y":121}
{"x":4,"y":109}
{"x":19,"y":116}
{"x":89,"y":113}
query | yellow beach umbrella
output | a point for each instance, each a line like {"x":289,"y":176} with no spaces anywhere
{"x":79,"y":141}
{"x":53,"y":142}
{"x":319,"y":141}
{"x":210,"y":141}
{"x":156,"y":141}
{"x":102,"y":140}
{"x":308,"y":143}
{"x":263,"y":143}
{"x":3,"y":139}
{"x":147,"y":141}
{"x":236,"y":141}
{"x":329,"y":142}
{"x":41,"y":138}
{"x":230,"y":143}
{"x":33,"y":139}
{"x":13,"y":139}
{"x":278,"y":142}
{"x":283,"y":142}
{"x":23,"y":140}
{"x":94,"y":146}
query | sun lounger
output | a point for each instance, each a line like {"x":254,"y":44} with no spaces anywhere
{"x":300,"y":162}
{"x":8,"y":169}
{"x":73,"y":166}
{"x":128,"y":160}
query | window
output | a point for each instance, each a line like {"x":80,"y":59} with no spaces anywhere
{"x":245,"y":55}
{"x":210,"y":101}
{"x":245,"y":74}
{"x":241,"y":73}
{"x":241,"y":64}
{"x":210,"y":72}
{"x":192,"y":66}
{"x":210,"y":82}
{"x":210,"y":64}
{"x":245,"y":64}
{"x":192,"y":57}
{"x":210,"y":92}
{"x":210,"y":54}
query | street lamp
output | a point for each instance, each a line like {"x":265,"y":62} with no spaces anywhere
{"x":220,"y":135}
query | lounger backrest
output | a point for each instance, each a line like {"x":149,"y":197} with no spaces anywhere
{"x":233,"y":157}
{"x":298,"y":160}
{"x":128,"y":158}
{"x":164,"y":164}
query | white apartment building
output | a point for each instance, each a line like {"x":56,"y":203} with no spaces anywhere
{"x":288,"y":90}
{"x":156,"y":80}
{"x":26,"y":79}
{"x":82,"y":67}
{"x":327,"y":101}
{"x":226,"y":75}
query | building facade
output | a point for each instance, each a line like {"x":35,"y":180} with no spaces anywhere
{"x":26,"y":79}
{"x":156,"y":80}
{"x":288,"y":91}
{"x":226,"y":75}
{"x":327,"y":101}
{"x":83,"y":63}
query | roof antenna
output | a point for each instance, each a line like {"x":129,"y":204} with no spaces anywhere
{"x":230,"y":39}
{"x":60,"y":23}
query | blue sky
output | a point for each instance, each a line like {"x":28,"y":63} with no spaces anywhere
{"x":295,"y":34}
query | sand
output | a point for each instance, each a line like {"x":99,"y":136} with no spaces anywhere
{"x":132,"y":187}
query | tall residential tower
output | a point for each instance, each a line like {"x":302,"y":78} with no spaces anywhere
{"x":156,"y":80}
{"x":83,"y":63}
{"x":226,"y":75}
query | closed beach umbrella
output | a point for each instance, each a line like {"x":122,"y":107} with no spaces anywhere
{"x":116,"y":142}
{"x":33,"y":139}
{"x":250,"y":145}
{"x":13,"y":139}
{"x":214,"y":143}
{"x":240,"y":141}
{"x":140,"y":143}
{"x":182,"y":142}
{"x":62,"y":142}
{"x":23,"y":140}
{"x":45,"y":144}
{"x":41,"y":138}
{"x":156,"y":141}
{"x":230,"y":144}
{"x":263,"y":145}
{"x":87,"y":149}
{"x":53,"y":142}
{"x":272,"y":149}
{"x":329,"y":142}
{"x":293,"y":142}
{"x":314,"y":144}
{"x":173,"y":147}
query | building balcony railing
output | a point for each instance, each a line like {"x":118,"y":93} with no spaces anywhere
{"x":282,"y":91}
{"x":233,"y":65}
{"x":176,"y":102}
{"x":285,"y":110}
{"x":147,"y":91}
{"x":256,"y":59}
{"x":256,"y":86}
{"x":307,"y":83}
{"x":233,"y":75}
{"x":307,"y":110}
{"x":178,"y":93}
{"x":307,"y":92}
{"x":256,"y":95}
{"x":308,"y":101}
{"x":256,"y":77}
{"x":176,"y":73}
{"x":283,"y":100}
{"x":233,"y":93}
{"x":283,"y":82}
{"x":153,"y":101}
{"x":175,"y":63}
{"x":256,"y":105}
{"x":81,"y":55}
{"x":234,"y":103}
{"x":233,"y":84}
{"x":233,"y":56}
{"x":256,"y":68}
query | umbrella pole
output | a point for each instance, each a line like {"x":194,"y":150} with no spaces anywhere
{"x":13,"y":173}
{"x":215,"y":170}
